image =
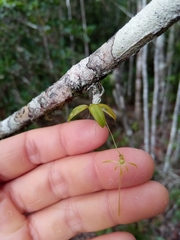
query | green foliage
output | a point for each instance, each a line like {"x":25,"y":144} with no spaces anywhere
{"x":135,"y":126}
{"x":96,"y":110}
{"x":35,"y":44}
{"x":175,"y":200}
{"x":108,"y":85}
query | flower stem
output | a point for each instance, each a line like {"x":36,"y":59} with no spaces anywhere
{"x":114,"y":142}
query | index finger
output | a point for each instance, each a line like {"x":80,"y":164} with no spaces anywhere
{"x":23,"y":152}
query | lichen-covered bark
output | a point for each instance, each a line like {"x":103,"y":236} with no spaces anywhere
{"x":154,"y":19}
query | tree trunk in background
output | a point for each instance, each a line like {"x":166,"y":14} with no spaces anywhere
{"x":176,"y":154}
{"x":84,"y":26}
{"x":123,"y":9}
{"x":120,"y":101}
{"x":130,"y":77}
{"x":162,"y":74}
{"x":145,"y":98}
{"x":138,"y":85}
{"x":46,"y":45}
{"x":167,"y":162}
{"x":138,"y":81}
{"x":169,"y":60}
{"x":140,"y":30}
{"x":69,"y":12}
{"x":159,"y":45}
{"x":145,"y":93}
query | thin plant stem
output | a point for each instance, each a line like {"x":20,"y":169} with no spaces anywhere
{"x":119,"y":199}
{"x":120,"y":172}
{"x":112,"y":138}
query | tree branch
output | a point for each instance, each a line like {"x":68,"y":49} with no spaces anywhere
{"x":149,"y":23}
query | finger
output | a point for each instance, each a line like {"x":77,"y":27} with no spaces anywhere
{"x":23,"y":152}
{"x":13,"y":225}
{"x":77,"y":175}
{"x":97,"y":211}
{"x":131,"y":175}
{"x":116,"y":236}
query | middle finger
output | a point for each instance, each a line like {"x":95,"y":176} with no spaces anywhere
{"x":77,"y":175}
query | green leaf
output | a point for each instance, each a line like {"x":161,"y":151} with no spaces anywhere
{"x":76,"y":111}
{"x":97,"y":114}
{"x":105,"y":108}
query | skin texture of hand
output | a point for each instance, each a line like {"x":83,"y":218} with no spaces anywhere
{"x":54,"y":186}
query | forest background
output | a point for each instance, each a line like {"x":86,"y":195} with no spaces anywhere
{"x":41,"y":40}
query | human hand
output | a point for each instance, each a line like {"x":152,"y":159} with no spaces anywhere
{"x":53,"y":186}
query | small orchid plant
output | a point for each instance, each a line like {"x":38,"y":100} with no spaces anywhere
{"x":97,"y":111}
